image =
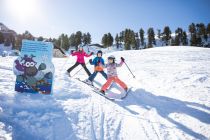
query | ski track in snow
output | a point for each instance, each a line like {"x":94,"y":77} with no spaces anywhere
{"x":169,"y":100}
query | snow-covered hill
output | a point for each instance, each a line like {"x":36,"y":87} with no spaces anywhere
{"x":170,"y":100}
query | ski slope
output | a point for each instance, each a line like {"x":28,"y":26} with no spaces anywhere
{"x":170,"y":100}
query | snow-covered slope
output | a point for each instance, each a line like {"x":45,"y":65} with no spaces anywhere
{"x":170,"y":100}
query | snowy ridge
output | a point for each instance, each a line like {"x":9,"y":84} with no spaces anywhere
{"x":169,"y":100}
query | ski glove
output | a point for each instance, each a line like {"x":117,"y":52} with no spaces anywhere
{"x":122,"y":59}
{"x":72,"y":51}
{"x":91,"y":61}
{"x":99,"y":61}
{"x":91,"y":53}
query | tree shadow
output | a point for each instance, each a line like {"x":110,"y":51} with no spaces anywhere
{"x":165,"y":106}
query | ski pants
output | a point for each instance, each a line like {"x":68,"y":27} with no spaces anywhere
{"x":113,"y":79}
{"x":92,"y":77}
{"x":77,"y":64}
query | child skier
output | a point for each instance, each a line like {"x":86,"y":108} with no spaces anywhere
{"x":98,"y":63}
{"x":80,"y":60}
{"x":112,"y":74}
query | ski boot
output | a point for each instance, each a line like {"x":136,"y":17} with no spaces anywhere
{"x":88,"y":82}
{"x":126,"y":89}
{"x":102,"y":91}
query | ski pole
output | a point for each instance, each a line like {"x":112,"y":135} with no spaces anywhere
{"x":129,"y":69}
{"x":65,"y":62}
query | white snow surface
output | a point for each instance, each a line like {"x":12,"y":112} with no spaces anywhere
{"x":170,"y":100}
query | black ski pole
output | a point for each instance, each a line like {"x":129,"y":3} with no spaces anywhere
{"x":129,"y":69}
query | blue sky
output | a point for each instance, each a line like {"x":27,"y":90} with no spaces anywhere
{"x":50,"y":18}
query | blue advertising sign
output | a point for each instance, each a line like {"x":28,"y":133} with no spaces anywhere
{"x":34,"y":69}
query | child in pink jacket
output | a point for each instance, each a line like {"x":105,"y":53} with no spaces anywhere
{"x":80,"y":60}
{"x":112,"y":74}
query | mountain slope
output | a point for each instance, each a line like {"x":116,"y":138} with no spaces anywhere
{"x":169,"y":100}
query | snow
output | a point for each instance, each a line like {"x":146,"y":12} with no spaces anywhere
{"x":8,"y":51}
{"x":170,"y":99}
{"x":4,"y":48}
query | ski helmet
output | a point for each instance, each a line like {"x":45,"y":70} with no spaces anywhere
{"x":111,"y":57}
{"x":80,"y":46}
{"x":99,"y":52}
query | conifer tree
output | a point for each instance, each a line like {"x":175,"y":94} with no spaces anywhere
{"x":184,"y":38}
{"x":64,"y":41}
{"x":208,"y":29}
{"x":192,"y":29}
{"x":141,"y":33}
{"x":72,"y":40}
{"x":166,"y":35}
{"x":198,"y":35}
{"x":104,"y":40}
{"x":193,"y":40}
{"x":159,"y":34}
{"x":107,"y":40}
{"x":117,"y":40}
{"x":178,"y":36}
{"x":151,"y":38}
{"x":78,"y":38}
{"x":110,"y":39}
{"x":89,"y":39}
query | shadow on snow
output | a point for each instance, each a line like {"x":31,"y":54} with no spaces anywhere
{"x":165,"y":106}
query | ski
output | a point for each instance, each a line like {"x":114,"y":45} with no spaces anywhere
{"x":127,"y":92}
{"x":91,"y":85}
{"x":98,"y":92}
{"x":95,"y":89}
{"x":112,"y":99}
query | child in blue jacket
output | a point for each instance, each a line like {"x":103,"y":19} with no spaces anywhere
{"x":98,"y":63}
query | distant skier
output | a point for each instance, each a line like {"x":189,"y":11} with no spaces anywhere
{"x":98,"y":63}
{"x":112,"y":74}
{"x":80,"y":59}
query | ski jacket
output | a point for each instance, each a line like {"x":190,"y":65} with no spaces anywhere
{"x":80,"y":56}
{"x":112,"y":69}
{"x":98,"y":62}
